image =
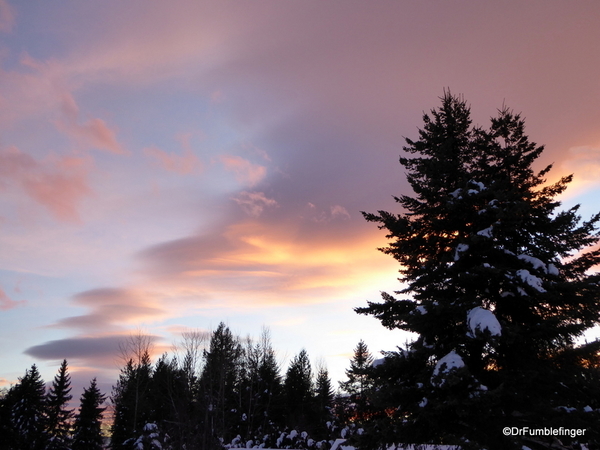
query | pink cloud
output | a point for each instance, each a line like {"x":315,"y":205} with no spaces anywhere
{"x":112,"y":307}
{"x":94,"y":133}
{"x":254,"y":203}
{"x":185,"y":164}
{"x":7,"y":17}
{"x":7,"y":303}
{"x":245,"y":172}
{"x":59,"y":185}
{"x":335,"y":212}
{"x":339,"y":211}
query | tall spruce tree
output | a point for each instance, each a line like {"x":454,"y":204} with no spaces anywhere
{"x":498,"y":290}
{"x":58,"y":415}
{"x":28,"y":411}
{"x":88,"y":423}
{"x":220,"y":383}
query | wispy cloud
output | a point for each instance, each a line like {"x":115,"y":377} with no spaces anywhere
{"x":246,"y":172}
{"x":93,"y":133}
{"x":185,"y":164}
{"x":254,"y":203}
{"x":313,"y":213}
{"x":112,"y":308}
{"x":7,"y":303}
{"x":271,"y":263}
{"x":58,"y":184}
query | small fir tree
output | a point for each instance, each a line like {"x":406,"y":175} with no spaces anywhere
{"x":323,"y":401}
{"x":359,"y":380}
{"x":298,"y":388}
{"x":58,"y":415}
{"x":87,"y":430}
{"x":498,"y":290}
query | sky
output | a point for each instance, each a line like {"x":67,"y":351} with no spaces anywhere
{"x":165,"y":166}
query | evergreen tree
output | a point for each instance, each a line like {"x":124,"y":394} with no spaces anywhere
{"x":359,"y":372}
{"x":8,"y":440}
{"x":220,"y":383}
{"x":168,"y":400}
{"x":359,"y":380}
{"x":58,"y":415}
{"x":298,"y":387}
{"x":323,"y":401}
{"x":498,"y":290}
{"x":131,"y":402}
{"x":270,"y":400}
{"x":87,"y":430}
{"x":28,"y":412}
{"x":130,"y":395}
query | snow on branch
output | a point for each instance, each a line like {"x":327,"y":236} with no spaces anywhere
{"x":452,"y":361}
{"x":480,"y":319}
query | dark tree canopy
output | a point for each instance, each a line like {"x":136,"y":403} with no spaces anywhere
{"x":87,"y":430}
{"x":499,"y":286}
{"x":28,"y":411}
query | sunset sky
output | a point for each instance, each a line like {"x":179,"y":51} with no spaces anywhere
{"x":167,"y":165}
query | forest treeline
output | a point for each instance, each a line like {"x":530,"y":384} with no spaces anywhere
{"x":218,"y":390}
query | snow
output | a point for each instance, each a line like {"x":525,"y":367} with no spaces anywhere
{"x":552,"y":270}
{"x":568,"y":409}
{"x":460,"y":248}
{"x":451,"y":361}
{"x":378,"y":362}
{"x":423,"y":403}
{"x":280,"y":439}
{"x":339,"y":446}
{"x":587,"y":408}
{"x":486,"y":232}
{"x":479,"y":184}
{"x":531,"y":280}
{"x":536,"y":263}
{"x":481,"y":319}
{"x":421,"y":310}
